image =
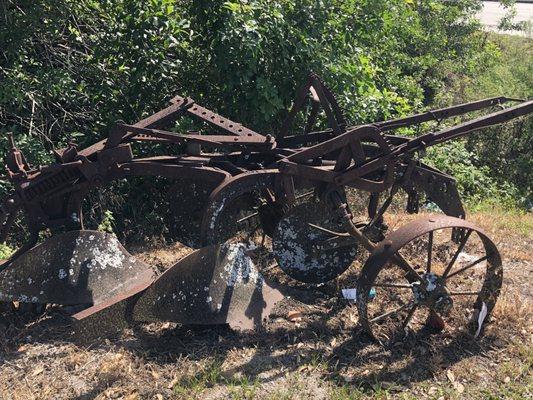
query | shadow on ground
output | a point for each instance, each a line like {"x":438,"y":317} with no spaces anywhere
{"x":322,"y":343}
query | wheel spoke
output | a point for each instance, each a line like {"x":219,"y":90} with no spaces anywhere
{"x":459,"y":250}
{"x":301,"y":196}
{"x":380,"y":317}
{"x":409,"y":316}
{"x":393,"y":285}
{"x":472,"y":264}
{"x":244,"y":219}
{"x":430,"y":251}
{"x":402,"y":263}
{"x":329,"y":231}
{"x":464,"y":293}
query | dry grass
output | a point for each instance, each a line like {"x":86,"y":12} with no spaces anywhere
{"x":513,"y":308}
{"x":321,"y":356}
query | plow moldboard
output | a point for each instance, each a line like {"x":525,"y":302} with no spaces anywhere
{"x":214,"y":285}
{"x":77,"y":267}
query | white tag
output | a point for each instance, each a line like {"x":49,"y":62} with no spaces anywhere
{"x":350,"y":294}
{"x":481,"y":318}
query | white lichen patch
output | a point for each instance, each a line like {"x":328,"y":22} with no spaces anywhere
{"x":92,"y":253}
{"x":217,"y":211}
{"x":238,"y":267}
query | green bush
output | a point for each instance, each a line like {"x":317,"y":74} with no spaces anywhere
{"x":475,"y":183}
{"x":69,"y":69}
{"x":5,"y":251}
{"x":502,"y":152}
{"x":107,"y":223}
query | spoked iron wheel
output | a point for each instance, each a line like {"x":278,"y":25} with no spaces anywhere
{"x":439,"y":273}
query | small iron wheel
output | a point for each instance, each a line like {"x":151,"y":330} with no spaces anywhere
{"x":424,"y":278}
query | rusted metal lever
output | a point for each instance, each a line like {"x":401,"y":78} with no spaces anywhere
{"x":346,"y":217}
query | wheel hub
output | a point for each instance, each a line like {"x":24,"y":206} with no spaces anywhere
{"x":432,"y":293}
{"x":270,"y":214}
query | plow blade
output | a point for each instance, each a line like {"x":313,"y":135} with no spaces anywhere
{"x":73,"y":268}
{"x":217,"y":284}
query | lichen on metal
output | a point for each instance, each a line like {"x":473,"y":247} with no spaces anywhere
{"x":245,"y":186}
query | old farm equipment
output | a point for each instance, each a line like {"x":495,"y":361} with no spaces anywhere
{"x":293,"y":186}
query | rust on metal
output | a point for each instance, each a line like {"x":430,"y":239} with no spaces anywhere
{"x":76,"y":267}
{"x":229,"y":179}
{"x":217,"y":284}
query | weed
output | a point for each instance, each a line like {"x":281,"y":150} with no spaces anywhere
{"x":5,"y":251}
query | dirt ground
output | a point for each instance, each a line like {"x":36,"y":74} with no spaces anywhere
{"x":320,"y":354}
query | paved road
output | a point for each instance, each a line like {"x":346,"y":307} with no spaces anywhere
{"x":492,"y":13}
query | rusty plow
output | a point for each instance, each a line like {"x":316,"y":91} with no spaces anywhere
{"x":314,"y":200}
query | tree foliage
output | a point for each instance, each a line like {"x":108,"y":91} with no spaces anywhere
{"x":502,"y":152}
{"x":68,"y":69}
